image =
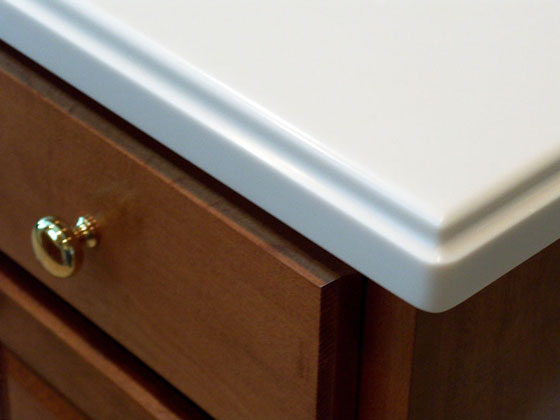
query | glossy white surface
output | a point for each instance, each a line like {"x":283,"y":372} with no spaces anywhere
{"x":417,"y":140}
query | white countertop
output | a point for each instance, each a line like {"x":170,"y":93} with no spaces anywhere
{"x":419,"y":141}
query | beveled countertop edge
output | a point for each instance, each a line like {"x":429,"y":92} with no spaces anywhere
{"x":274,"y":165}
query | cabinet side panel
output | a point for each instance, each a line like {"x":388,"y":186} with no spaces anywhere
{"x":496,"y":356}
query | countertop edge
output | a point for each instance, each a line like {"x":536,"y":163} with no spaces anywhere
{"x":403,"y":251}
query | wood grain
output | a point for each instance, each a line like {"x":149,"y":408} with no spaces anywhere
{"x":494,"y":357}
{"x":497,"y":355}
{"x":221,"y":299}
{"x":76,"y":359}
{"x":30,"y":397}
{"x":388,"y":350}
{"x":4,"y":414}
{"x":341,"y":314}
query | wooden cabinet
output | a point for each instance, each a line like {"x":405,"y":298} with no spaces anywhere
{"x":56,"y":361}
{"x":195,"y":293}
{"x":234,"y":309}
{"x":494,"y":357}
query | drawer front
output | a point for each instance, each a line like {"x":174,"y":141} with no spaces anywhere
{"x":229,"y":318}
{"x":26,"y":396}
{"x":55,"y":364}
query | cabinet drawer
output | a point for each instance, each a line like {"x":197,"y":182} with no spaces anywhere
{"x":55,"y":364}
{"x":236,"y":310}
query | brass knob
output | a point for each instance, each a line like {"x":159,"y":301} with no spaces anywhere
{"x":58,"y":246}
